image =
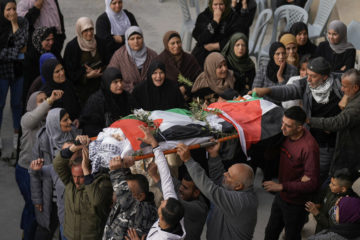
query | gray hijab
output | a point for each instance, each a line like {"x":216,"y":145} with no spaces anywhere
{"x":31,"y":104}
{"x":57,"y":137}
{"x":139,"y":57}
{"x":343,"y":45}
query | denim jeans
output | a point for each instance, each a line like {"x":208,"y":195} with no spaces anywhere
{"x":28,"y":222}
{"x":16,"y":88}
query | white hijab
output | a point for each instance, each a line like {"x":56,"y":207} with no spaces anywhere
{"x":139,"y":57}
{"x":119,"y":21}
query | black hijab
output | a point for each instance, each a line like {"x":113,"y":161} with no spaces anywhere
{"x":117,"y":104}
{"x":5,"y":25}
{"x":309,"y":47}
{"x":69,"y":100}
{"x":150,"y":97}
{"x":272,"y":68}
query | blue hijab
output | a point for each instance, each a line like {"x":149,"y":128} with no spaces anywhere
{"x":43,"y":59}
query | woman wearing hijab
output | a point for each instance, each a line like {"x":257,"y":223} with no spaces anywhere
{"x":177,"y":61}
{"x":107,"y":105}
{"x":50,"y":138}
{"x":214,"y":27}
{"x":113,"y":23}
{"x":337,"y":50}
{"x":37,"y":107}
{"x":40,"y":80}
{"x":54,"y":74}
{"x":85,"y":58}
{"x":277,"y":71}
{"x":236,"y":53}
{"x":133,"y":59}
{"x":305,"y":46}
{"x":44,"y":13}
{"x":346,"y":218}
{"x":289,"y":41}
{"x":42,"y":42}
{"x":157,"y":92}
{"x":215,"y":79}
{"x":13,"y":38}
{"x":246,"y":10}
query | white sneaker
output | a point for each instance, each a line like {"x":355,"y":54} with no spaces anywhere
{"x":15,"y":140}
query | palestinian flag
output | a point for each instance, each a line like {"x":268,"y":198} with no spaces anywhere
{"x":172,"y":125}
{"x":254,"y":120}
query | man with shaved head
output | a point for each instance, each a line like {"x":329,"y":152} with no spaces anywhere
{"x":234,"y":201}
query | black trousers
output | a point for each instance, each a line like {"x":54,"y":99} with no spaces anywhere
{"x":285,"y":215}
{"x":43,"y":233}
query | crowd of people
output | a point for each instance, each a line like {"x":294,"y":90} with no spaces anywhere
{"x":59,"y":102}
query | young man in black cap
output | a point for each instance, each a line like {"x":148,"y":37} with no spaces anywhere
{"x":321,"y":94}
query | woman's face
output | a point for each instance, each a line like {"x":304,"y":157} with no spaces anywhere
{"x":116,"y":5}
{"x":222,"y":70}
{"x":158,"y":77}
{"x":174,"y":46}
{"x":334,"y":37}
{"x":10,"y":11}
{"x":40,"y":98}
{"x":302,"y":38}
{"x":116,"y":86}
{"x":65,"y":123}
{"x":88,"y":34}
{"x":303,"y":69}
{"x":218,"y":4}
{"x":291,"y":49}
{"x":240,"y":48}
{"x":136,"y":42}
{"x":59,"y":74}
{"x":48,"y":42}
{"x":280,"y":56}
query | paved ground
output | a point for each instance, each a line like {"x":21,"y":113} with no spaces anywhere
{"x":155,"y":19}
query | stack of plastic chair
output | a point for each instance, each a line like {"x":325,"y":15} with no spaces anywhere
{"x":261,"y":5}
{"x":258,"y":34}
{"x":308,"y":5}
{"x":318,"y":28}
{"x":188,"y":25}
{"x":291,"y":14}
{"x":353,"y":36}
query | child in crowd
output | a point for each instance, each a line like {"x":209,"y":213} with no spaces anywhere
{"x":346,"y":218}
{"x":339,"y":186}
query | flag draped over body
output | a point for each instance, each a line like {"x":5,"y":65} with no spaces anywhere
{"x":253,"y":120}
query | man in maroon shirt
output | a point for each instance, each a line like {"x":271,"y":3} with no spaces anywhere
{"x":298,"y":177}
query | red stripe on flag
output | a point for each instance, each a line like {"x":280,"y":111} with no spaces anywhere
{"x":130,"y":128}
{"x":247,"y":114}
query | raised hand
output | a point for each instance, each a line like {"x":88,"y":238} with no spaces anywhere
{"x":214,"y":149}
{"x":148,"y":138}
{"x":183,"y":152}
{"x":37,"y":164}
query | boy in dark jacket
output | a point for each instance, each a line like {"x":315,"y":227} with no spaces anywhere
{"x":339,"y":186}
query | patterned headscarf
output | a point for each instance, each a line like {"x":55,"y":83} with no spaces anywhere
{"x":39,"y":35}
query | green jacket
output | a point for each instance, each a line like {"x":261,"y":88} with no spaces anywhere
{"x":86,"y":208}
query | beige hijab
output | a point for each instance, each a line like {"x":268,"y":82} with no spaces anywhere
{"x":82,"y":24}
{"x":208,"y":78}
